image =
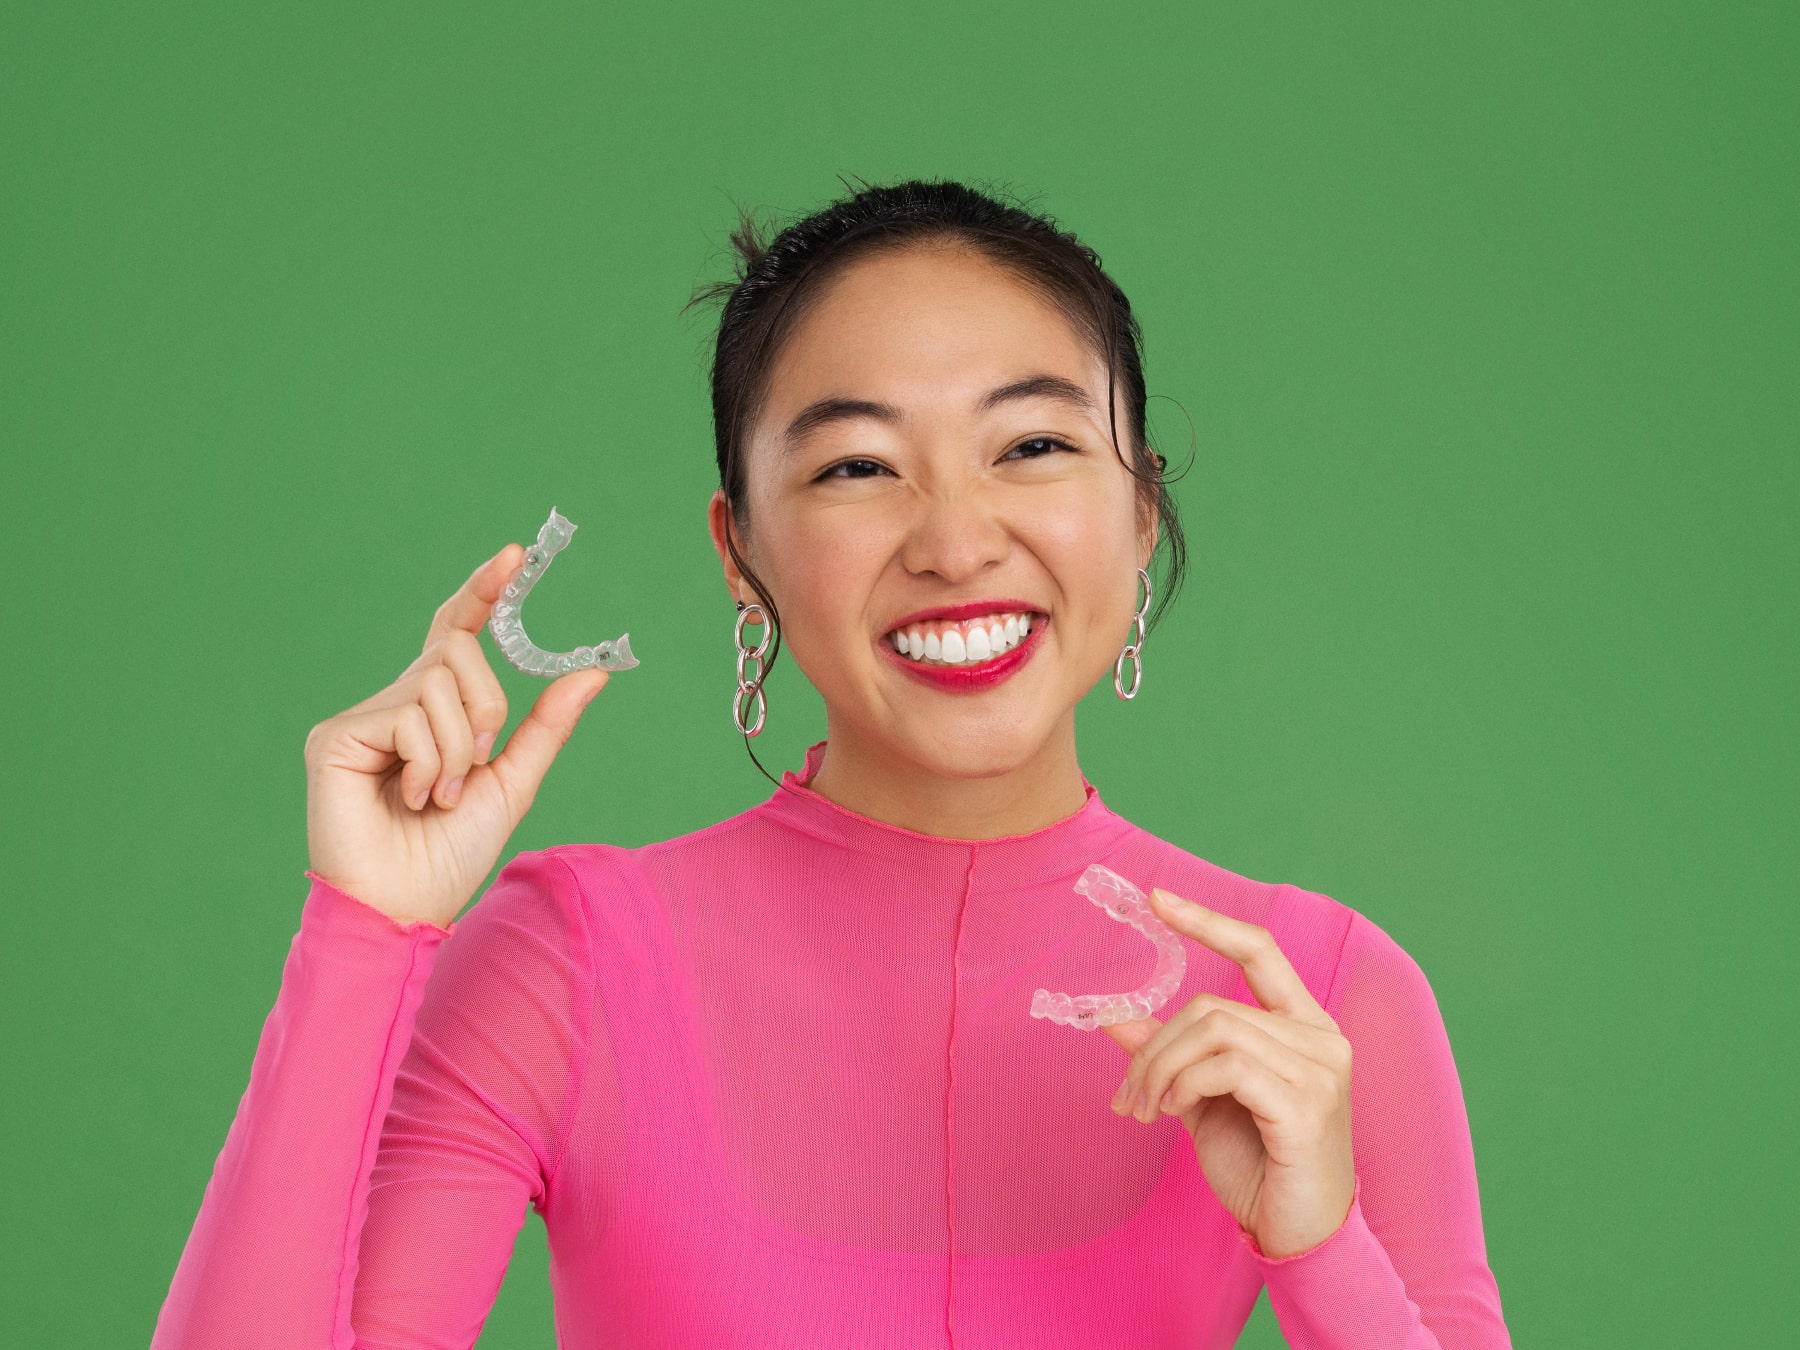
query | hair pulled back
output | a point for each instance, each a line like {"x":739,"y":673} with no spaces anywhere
{"x":778,"y":277}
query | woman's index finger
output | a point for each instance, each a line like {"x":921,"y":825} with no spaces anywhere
{"x":1268,"y":972}
{"x":469,"y":608}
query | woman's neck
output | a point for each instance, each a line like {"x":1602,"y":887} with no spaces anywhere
{"x":865,"y":778}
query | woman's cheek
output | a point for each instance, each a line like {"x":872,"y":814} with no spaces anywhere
{"x":1098,"y":613}
{"x":821,"y":613}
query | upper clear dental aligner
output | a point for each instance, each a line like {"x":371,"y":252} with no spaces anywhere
{"x":509,"y":633}
{"x":1126,"y":903}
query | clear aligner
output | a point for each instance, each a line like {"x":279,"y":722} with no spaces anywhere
{"x":509,"y":634}
{"x":1126,"y":903}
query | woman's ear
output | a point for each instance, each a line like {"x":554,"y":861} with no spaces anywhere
{"x":719,"y":521}
{"x":1149,"y":520}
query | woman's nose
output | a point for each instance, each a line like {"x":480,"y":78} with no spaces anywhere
{"x":957,"y":537}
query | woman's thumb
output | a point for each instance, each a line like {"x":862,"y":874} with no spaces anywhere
{"x":534,"y":745}
{"x":1133,"y":1033}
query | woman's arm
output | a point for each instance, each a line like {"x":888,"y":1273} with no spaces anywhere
{"x":406,"y":1102}
{"x":1408,"y":1268}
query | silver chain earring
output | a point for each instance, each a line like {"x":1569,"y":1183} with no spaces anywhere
{"x":1133,"y":650}
{"x":749,"y":682}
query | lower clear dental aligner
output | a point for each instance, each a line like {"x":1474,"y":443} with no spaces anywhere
{"x":1126,"y":903}
{"x":509,"y":633}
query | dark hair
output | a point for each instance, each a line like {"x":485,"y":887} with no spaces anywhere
{"x":777,"y":278}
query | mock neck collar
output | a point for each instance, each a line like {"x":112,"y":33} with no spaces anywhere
{"x":1064,"y":846}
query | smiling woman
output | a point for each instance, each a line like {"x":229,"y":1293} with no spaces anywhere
{"x":906,"y":315}
{"x":790,"y":1080}
{"x":937,"y":442}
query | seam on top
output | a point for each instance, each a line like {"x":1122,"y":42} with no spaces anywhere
{"x":1091,"y":796}
{"x":371,"y":1139}
{"x":1333,"y":989}
{"x":566,"y":1131}
{"x":950,"y":1102}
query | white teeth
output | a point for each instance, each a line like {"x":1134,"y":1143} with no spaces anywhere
{"x":985,"y":639}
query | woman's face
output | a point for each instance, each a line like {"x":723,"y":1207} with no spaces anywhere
{"x":934,"y":459}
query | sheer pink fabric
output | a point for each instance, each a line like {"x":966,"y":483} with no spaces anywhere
{"x":776,"y":1084}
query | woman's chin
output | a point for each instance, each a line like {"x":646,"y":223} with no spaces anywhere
{"x":973,"y":751}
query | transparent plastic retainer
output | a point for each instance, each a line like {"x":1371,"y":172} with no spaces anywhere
{"x":509,"y":633}
{"x":1126,"y":903}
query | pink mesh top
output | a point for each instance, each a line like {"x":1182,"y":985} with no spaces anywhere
{"x":776,"y":1084}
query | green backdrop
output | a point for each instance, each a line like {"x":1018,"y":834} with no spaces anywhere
{"x":1486,"y":325}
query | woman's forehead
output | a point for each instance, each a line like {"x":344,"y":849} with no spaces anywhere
{"x":934,"y":328}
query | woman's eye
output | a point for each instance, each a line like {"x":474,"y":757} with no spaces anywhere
{"x":1037,"y":446}
{"x":853,"y":468}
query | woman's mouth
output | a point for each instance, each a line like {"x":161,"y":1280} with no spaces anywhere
{"x":965,"y":642}
{"x":972,"y":652}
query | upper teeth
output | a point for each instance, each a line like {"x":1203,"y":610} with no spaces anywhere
{"x":962,"y":643}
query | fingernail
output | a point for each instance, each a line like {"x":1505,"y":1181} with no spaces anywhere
{"x":1168,"y":1100}
{"x":590,"y":696}
{"x":1139,"y":1102}
{"x":1118,"y":1101}
{"x":452,"y":790}
{"x":483,"y":744}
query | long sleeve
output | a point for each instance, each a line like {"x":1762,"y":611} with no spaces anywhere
{"x":405,"y":1103}
{"x":1408,"y":1266}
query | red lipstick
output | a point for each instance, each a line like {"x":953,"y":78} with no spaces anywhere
{"x":970,"y":679}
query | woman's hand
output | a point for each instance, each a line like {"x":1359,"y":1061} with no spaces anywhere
{"x":1265,"y":1092}
{"x":404,"y":809}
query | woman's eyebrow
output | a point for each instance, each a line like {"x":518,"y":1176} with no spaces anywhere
{"x":1040,"y":386}
{"x":822,"y":412}
{"x":825,"y":411}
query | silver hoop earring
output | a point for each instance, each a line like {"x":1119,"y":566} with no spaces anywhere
{"x":1133,"y":650}
{"x":749,"y":683}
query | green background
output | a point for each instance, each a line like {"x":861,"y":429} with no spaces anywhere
{"x":1486,"y":325}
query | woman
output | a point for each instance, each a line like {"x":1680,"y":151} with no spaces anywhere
{"x":776,"y":1083}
